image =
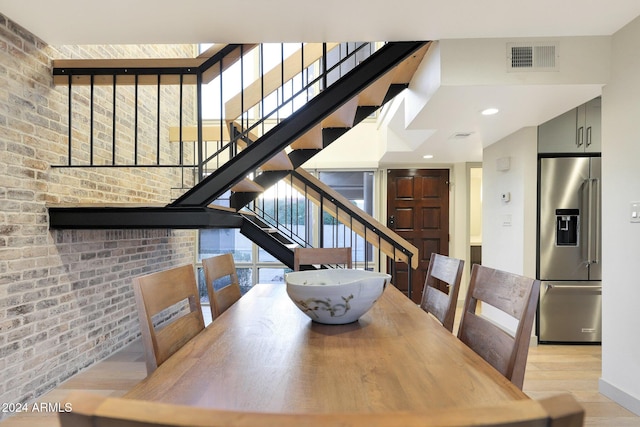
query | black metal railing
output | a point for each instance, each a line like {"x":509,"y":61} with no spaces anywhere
{"x":169,"y":117}
{"x":311,"y":214}
{"x":155,"y":100}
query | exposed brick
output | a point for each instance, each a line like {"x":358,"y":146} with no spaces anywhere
{"x":57,"y":286}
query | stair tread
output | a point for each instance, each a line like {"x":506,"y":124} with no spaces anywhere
{"x":374,"y":94}
{"x":246,"y":185}
{"x":280,"y":161}
{"x":343,"y":117}
{"x":407,"y":68}
{"x":310,"y":139}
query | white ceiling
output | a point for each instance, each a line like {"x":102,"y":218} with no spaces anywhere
{"x":201,"y":21}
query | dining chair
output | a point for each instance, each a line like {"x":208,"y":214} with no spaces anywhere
{"x":223,"y":285}
{"x":95,"y":410}
{"x":512,"y":294}
{"x":169,"y":309}
{"x":442,"y":269}
{"x":321,"y":256}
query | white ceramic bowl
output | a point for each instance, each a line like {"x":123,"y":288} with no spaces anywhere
{"x":335,"y":296}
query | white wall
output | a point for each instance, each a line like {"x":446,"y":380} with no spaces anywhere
{"x":359,"y":148}
{"x":620,"y":238}
{"x":509,"y":228}
{"x":510,"y":247}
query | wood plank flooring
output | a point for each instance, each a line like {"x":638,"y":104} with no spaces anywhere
{"x":551,"y":369}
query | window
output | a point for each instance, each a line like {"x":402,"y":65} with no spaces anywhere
{"x":254,"y":264}
{"x":357,"y":186}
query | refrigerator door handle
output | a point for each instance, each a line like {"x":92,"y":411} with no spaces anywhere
{"x":594,"y":221}
{"x":585,"y":227}
{"x":576,"y":287}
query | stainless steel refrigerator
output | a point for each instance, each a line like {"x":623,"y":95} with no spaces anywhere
{"x":569,"y":256}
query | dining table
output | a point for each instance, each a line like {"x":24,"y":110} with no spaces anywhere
{"x":265,"y":355}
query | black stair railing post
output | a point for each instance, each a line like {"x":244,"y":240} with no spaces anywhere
{"x":222,"y":116}
{"x":113,"y":122}
{"x":291,"y":128}
{"x":324,"y":66}
{"x":135,"y":120}
{"x":91,"y":118}
{"x":321,"y":223}
{"x":181,"y":119}
{"x":69,"y":160}
{"x":158,"y":121}
{"x":199,"y":119}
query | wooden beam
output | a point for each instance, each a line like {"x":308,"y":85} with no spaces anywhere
{"x":147,"y":63}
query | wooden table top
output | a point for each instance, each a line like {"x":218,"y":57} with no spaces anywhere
{"x":265,"y":355}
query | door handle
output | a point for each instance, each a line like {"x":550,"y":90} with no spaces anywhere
{"x":392,"y":222}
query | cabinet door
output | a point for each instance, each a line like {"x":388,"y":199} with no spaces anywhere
{"x":558,"y":135}
{"x":592,"y":123}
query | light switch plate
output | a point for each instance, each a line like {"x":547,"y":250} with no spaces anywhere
{"x":634,"y":214}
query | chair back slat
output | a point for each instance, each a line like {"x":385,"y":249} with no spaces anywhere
{"x":514,"y":295}
{"x":440,"y":304}
{"x":321,"y":256}
{"x":216,"y":268}
{"x":162,"y":293}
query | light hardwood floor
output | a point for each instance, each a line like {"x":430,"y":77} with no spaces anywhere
{"x":551,"y":369}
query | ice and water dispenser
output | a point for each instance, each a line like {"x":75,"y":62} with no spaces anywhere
{"x":567,"y":227}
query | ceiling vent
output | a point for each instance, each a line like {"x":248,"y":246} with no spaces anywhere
{"x":540,"y":56}
{"x":461,"y":135}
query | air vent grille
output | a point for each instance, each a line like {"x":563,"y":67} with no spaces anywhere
{"x":541,"y":56}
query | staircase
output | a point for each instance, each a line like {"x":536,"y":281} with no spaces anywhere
{"x":251,"y":154}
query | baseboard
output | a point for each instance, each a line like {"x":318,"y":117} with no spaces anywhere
{"x":620,"y":397}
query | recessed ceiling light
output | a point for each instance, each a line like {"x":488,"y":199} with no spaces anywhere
{"x":490,"y":111}
{"x":428,"y":156}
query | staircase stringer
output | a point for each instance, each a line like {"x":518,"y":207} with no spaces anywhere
{"x":293,"y":127}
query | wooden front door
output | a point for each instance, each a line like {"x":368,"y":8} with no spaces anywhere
{"x":418,"y":210}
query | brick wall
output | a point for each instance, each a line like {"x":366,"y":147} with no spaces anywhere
{"x":65,"y":296}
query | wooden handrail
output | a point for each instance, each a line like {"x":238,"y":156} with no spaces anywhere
{"x":146,"y":63}
{"x":274,"y":78}
{"x":329,"y":205}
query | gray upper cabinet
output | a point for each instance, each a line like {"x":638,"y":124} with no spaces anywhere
{"x":576,"y":131}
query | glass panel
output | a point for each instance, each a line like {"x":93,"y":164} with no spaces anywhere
{"x":245,"y":277}
{"x":222,"y":241}
{"x":202,"y":287}
{"x":357,"y":186}
{"x":264,"y":256}
{"x":272,"y":275}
